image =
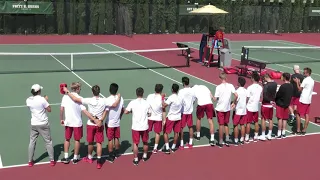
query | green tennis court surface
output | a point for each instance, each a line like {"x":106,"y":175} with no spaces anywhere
{"x":15,"y":89}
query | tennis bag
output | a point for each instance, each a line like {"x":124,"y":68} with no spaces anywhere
{"x":230,"y":70}
{"x":275,"y":75}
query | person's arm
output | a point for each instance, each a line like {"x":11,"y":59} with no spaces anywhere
{"x":74,"y":98}
{"x":166,"y":103}
{"x":117,"y":102}
{"x":279,"y":93}
{"x":46,"y":104}
{"x":128,"y":109}
{"x":122,"y":111}
{"x":62,"y":111}
{"x":216,"y":95}
{"x":299,"y":85}
{"x":235,"y":96}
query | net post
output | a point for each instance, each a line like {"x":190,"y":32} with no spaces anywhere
{"x":71,"y":61}
{"x":188,"y":57}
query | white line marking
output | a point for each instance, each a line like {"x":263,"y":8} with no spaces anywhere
{"x":1,"y":165}
{"x":267,"y":68}
{"x":130,"y":153}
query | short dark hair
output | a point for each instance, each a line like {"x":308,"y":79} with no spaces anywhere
{"x":113,"y":88}
{"x":308,"y":70}
{"x":95,"y":90}
{"x":242,"y":81}
{"x":139,"y":91}
{"x":286,"y":76}
{"x":185,"y":81}
{"x":255,"y":76}
{"x":158,"y":88}
{"x":34,"y":93}
{"x":175,"y":88}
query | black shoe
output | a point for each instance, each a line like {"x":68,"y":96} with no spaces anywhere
{"x":279,"y":137}
{"x":284,"y":136}
{"x":303,"y":133}
{"x":116,"y":154}
{"x":173,"y":150}
{"x":237,"y":143}
{"x":75,"y":161}
{"x":298,"y":133}
{"x":211,"y":143}
{"x":65,"y":160}
{"x":110,"y":158}
{"x":220,"y":145}
{"x":145,"y":159}
{"x":166,"y":151}
{"x":227,"y":143}
{"x":135,"y":162}
{"x":197,"y":138}
{"x":242,"y":142}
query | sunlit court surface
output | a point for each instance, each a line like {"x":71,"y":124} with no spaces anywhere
{"x":105,"y":63}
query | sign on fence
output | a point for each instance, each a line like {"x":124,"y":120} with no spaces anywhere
{"x":185,"y":9}
{"x":314,"y":11}
{"x":28,"y":7}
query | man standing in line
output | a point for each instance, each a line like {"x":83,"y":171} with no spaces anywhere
{"x":140,"y":110}
{"x":253,"y":94}
{"x":188,"y":97}
{"x":205,"y":105}
{"x":157,"y":114}
{"x":223,"y":95}
{"x":70,"y":117}
{"x":283,"y":99}
{"x":95,"y":129}
{"x":269,"y":94}
{"x":296,"y":93}
{"x":173,"y":120}
{"x":306,"y":89}
{"x":38,"y":107}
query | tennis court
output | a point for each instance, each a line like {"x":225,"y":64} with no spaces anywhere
{"x":129,"y":70}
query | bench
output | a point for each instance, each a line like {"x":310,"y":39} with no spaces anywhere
{"x":245,"y":70}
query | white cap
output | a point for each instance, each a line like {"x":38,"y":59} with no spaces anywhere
{"x":36,"y":87}
{"x":296,"y":67}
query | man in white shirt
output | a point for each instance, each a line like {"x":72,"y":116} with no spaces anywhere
{"x":188,"y":97}
{"x":95,"y":129}
{"x":38,"y":107}
{"x":205,"y":105}
{"x":157,"y":114}
{"x":173,"y":120}
{"x":115,"y":112}
{"x":70,"y":117}
{"x":223,"y":95}
{"x":253,"y":94}
{"x":306,"y":89}
{"x":140,"y":110}
{"x":239,"y":115}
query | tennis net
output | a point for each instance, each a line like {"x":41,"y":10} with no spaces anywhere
{"x":282,"y":54}
{"x":94,"y":61}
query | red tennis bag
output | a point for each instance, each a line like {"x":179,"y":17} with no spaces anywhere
{"x":275,"y":75}
{"x":230,"y":70}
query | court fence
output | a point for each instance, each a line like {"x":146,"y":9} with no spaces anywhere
{"x":164,"y":16}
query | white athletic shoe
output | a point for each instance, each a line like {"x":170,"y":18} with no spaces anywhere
{"x":262,"y":138}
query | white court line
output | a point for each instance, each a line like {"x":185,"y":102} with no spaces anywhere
{"x":130,"y":153}
{"x":267,"y":68}
{"x":1,"y":165}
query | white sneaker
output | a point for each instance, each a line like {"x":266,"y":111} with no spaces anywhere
{"x":255,"y":139}
{"x":269,"y":137}
{"x":262,"y":138}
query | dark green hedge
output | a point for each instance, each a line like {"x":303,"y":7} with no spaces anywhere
{"x":162,"y":16}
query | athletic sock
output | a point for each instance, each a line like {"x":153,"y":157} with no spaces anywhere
{"x":167,"y":146}
{"x":190,"y":141}
{"x":242,"y":138}
{"x":227,"y":138}
{"x":270,"y":132}
{"x":198,"y":134}
{"x":89,"y":156}
{"x":283,"y":132}
{"x":144,"y":155}
{"x":255,"y":134}
{"x":66,"y":155}
{"x":212,"y":137}
{"x":136,"y":159}
{"x":236,"y":140}
{"x":263,"y":133}
{"x":247,"y":137}
{"x":279,"y":132}
{"x":76,"y":156}
{"x":99,"y":157}
{"x":155,"y":146}
{"x":173,"y":146}
{"x":181,"y":143}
